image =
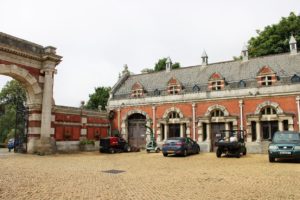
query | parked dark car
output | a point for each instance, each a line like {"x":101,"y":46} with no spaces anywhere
{"x":285,"y":144}
{"x":113,"y":145}
{"x":180,"y":146}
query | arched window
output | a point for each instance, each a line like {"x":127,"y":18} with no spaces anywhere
{"x":268,"y":111}
{"x":217,"y":113}
{"x":242,"y":84}
{"x":196,"y":88}
{"x":174,"y":115}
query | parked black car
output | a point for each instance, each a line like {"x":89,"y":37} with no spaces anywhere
{"x":285,"y":144}
{"x":180,"y":146}
{"x":231,"y":142}
{"x":113,"y":145}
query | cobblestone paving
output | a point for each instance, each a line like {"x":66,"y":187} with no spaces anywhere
{"x":146,"y":176}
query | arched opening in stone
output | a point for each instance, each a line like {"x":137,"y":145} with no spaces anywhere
{"x":137,"y":130}
{"x":20,"y":109}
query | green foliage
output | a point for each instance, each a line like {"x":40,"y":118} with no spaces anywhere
{"x":12,"y":97}
{"x":275,"y":38}
{"x":161,"y":65}
{"x":99,"y":98}
{"x":86,"y":142}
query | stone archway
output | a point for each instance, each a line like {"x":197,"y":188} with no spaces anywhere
{"x":33,"y":66}
{"x":31,"y":85}
{"x":125,"y":123}
{"x":173,"y":124}
{"x":267,"y":118}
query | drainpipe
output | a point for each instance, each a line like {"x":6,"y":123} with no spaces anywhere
{"x":194,"y":120}
{"x":153,"y":117}
{"x":241,"y":102}
{"x":119,"y":120}
{"x":298,"y":108}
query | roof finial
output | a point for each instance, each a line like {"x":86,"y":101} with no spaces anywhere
{"x":168,"y":64}
{"x":245,"y":53}
{"x":204,"y":58}
{"x":293,"y":45}
{"x":125,"y":71}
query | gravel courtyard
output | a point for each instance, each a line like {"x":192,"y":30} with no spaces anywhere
{"x":146,"y":176}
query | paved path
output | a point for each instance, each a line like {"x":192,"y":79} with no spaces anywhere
{"x":146,"y":176}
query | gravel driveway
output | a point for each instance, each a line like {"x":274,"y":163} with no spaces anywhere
{"x":146,"y":176}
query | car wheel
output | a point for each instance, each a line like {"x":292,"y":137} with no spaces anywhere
{"x":185,"y":153}
{"x":127,"y":148}
{"x":238,"y":154}
{"x":198,"y":150}
{"x":271,"y":159}
{"x":112,"y":150}
{"x":245,"y":151}
{"x":157,"y":150}
{"x":219,"y":153}
{"x":148,"y":151}
{"x":165,"y":154}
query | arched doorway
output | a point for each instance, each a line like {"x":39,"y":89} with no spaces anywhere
{"x":266,"y":120}
{"x":137,"y":130}
{"x":216,"y":119}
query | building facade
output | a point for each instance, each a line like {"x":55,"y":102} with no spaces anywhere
{"x":259,"y":95}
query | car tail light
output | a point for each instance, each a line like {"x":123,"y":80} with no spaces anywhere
{"x":179,"y":144}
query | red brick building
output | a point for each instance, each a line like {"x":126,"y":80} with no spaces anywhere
{"x":260,"y":95}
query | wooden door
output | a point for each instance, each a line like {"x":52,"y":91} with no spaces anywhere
{"x":216,"y":133}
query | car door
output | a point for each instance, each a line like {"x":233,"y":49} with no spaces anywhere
{"x":189,"y":145}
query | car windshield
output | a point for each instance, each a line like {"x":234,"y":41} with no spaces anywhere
{"x":174,"y":140}
{"x":286,"y":137}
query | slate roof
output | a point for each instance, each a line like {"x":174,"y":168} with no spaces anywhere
{"x":284,"y":65}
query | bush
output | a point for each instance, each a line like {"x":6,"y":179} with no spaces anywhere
{"x":86,"y":141}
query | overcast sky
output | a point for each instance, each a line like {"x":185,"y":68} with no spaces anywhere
{"x":97,"y":37}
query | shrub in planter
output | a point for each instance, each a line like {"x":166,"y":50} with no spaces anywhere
{"x":87,"y":145}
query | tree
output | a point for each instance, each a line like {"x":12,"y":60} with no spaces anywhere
{"x":12,"y":97}
{"x":98,"y":98}
{"x":275,"y":38}
{"x":161,"y":65}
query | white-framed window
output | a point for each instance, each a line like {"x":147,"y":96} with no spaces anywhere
{"x":174,"y":115}
{"x":266,"y":80}
{"x":268,"y":111}
{"x":137,"y":93}
{"x":173,"y":89}
{"x":216,"y":85}
{"x":217,"y":113}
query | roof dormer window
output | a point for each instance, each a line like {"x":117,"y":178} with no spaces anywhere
{"x":266,"y":76}
{"x":266,"y":80}
{"x":174,"y":86}
{"x":216,"y":82}
{"x":137,"y":90}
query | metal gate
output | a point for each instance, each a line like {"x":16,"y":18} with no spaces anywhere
{"x":137,"y":130}
{"x":21,"y":129}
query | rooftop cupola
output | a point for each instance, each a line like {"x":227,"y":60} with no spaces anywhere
{"x":293,"y":45}
{"x":245,"y":53}
{"x":204,"y":58}
{"x":168,"y":64}
{"x":125,"y":71}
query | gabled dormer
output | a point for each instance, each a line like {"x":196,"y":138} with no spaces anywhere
{"x":174,"y":86}
{"x":266,"y":76}
{"x":216,"y":82}
{"x":137,"y":90}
